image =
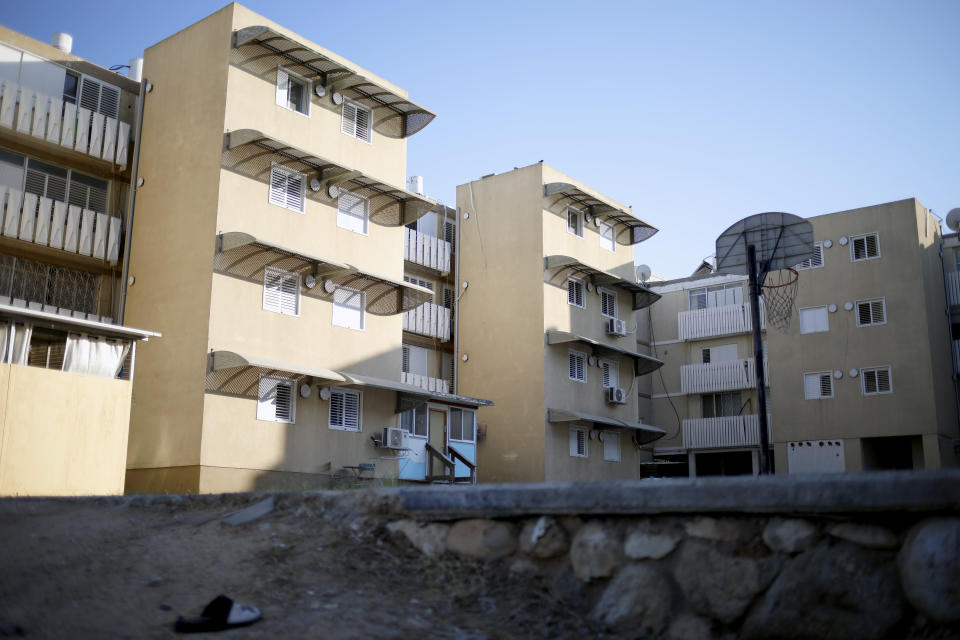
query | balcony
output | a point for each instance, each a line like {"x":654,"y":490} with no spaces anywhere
{"x":726,"y":431}
{"x":712,"y":377}
{"x":51,"y":119}
{"x":714,"y":322}
{"x":429,"y":320}
{"x":953,"y":288}
{"x":435,"y":385}
{"x":427,"y":251}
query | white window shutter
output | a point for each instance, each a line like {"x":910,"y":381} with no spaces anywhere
{"x":348,"y":123}
{"x":348,"y":308}
{"x":281,"y":291}
{"x":276,"y":400}
{"x":278,"y":187}
{"x":296,"y":188}
{"x":574,"y":449}
{"x":826,"y":385}
{"x":283,"y":402}
{"x":352,"y":212}
{"x":363,"y":124}
{"x":351,"y":411}
{"x":405,"y":359}
{"x":272,"y":280}
{"x":283,"y":86}
{"x":265,"y":396}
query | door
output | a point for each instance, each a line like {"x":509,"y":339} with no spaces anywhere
{"x":463,"y":437}
{"x":412,"y":462}
{"x":438,"y":437}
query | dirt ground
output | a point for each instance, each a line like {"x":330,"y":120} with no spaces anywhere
{"x":127,"y":568}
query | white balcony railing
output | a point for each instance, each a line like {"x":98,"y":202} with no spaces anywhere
{"x":956,"y":356}
{"x":51,"y":119}
{"x":428,"y":319}
{"x":427,"y":251}
{"x":726,"y":431}
{"x":721,"y":376}
{"x":953,"y":288}
{"x":717,"y":321}
{"x":436,"y":385}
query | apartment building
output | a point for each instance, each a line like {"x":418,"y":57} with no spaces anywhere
{"x":269,"y":247}
{"x":546,"y":295}
{"x":951,"y":274}
{"x":66,"y":361}
{"x":861,"y":381}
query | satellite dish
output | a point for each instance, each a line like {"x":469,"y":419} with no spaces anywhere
{"x":315,"y":184}
{"x":310,"y":281}
{"x":953,"y":219}
{"x":643,"y":272}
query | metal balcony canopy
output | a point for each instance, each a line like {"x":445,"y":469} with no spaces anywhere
{"x":238,"y":374}
{"x":642,"y":296}
{"x":632,"y":230}
{"x":246,"y":256}
{"x":641,"y":364}
{"x":333,"y":175}
{"x":646,"y":432}
{"x":49,"y":320}
{"x":411,"y":391}
{"x":335,"y":76}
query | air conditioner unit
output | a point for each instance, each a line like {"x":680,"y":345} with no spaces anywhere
{"x":616,"y":327}
{"x":392,"y":438}
{"x":616,"y":395}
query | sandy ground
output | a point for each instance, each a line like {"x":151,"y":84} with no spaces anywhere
{"x":127,"y":569}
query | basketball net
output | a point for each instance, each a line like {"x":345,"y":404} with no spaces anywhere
{"x":779,"y":293}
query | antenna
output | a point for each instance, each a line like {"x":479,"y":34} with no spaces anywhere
{"x":643,"y":273}
{"x":953,"y":219}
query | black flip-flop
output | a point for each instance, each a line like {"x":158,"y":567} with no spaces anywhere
{"x":222,"y":613}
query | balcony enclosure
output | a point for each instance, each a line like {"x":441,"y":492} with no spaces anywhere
{"x":429,"y":319}
{"x":711,"y":377}
{"x":723,"y":432}
{"x":51,"y":288}
{"x":713,"y":322}
{"x":426,"y":250}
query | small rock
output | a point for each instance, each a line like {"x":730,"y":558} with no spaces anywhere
{"x":712,"y":529}
{"x":543,"y":538}
{"x":689,"y":627}
{"x":487,"y":605}
{"x":523,"y":566}
{"x":251,"y":513}
{"x":790,"y":535}
{"x":594,"y":552}
{"x":155,"y":581}
{"x":570,"y":524}
{"x":642,"y":544}
{"x":930,"y":568}
{"x":264,"y":526}
{"x":429,"y":539}
{"x":637,"y":599}
{"x":865,"y":535}
{"x":480,"y":538}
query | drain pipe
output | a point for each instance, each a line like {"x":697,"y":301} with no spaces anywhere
{"x":131,"y":202}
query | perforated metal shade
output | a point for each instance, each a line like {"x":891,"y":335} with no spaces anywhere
{"x":245,"y":256}
{"x":252,"y":153}
{"x":642,"y":364}
{"x":239,"y":375}
{"x":642,"y":296}
{"x":629,"y":229}
{"x":260,"y":49}
{"x":646,"y":433}
{"x":411,"y":391}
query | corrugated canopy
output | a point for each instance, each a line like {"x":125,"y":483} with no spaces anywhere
{"x":646,"y":433}
{"x":251,"y":152}
{"x":357,"y":380}
{"x":630,"y":229}
{"x":641,"y":364}
{"x":642,"y":296}
{"x":244,"y":256}
{"x":237,"y":374}
{"x":393,"y":114}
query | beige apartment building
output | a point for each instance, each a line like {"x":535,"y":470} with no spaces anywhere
{"x":545,"y":300}
{"x":269,"y":246}
{"x":861,"y":381}
{"x":67,"y":134}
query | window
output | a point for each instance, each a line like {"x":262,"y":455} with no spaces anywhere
{"x":450,"y":233}
{"x":56,"y":183}
{"x":345,"y":409}
{"x":448,"y":367}
{"x":87,"y":192}
{"x":611,"y":373}
{"x":281,"y":291}
{"x":611,"y":446}
{"x":574,"y":221}
{"x":815,"y":261}
{"x":578,"y":366}
{"x":293,"y":92}
{"x":348,"y":306}
{"x":575,"y":292}
{"x":870,"y":312}
{"x":352,"y":212}
{"x":608,"y":303}
{"x":414,"y":360}
{"x":606,"y":236}
{"x":717,"y":405}
{"x":356,"y":121}
{"x":287,"y":188}
{"x":99,"y":97}
{"x":414,"y":422}
{"x":462,"y":425}
{"x":865,"y":247}
{"x":578,"y":443}
{"x":420,"y":282}
{"x":46,"y":180}
{"x":875,"y":380}
{"x":814,"y":320}
{"x":71,"y":86}
{"x":817,"y":385}
{"x":716,"y":296}
{"x":276,"y":399}
{"x":11,"y":169}
{"x":718,"y":353}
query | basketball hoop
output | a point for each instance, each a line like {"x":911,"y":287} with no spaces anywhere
{"x":779,"y":294}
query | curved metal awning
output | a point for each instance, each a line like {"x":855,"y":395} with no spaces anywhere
{"x":245,"y":256}
{"x":253,"y":152}
{"x":642,"y":296}
{"x":646,"y":433}
{"x":239,"y":374}
{"x":641,"y":364}
{"x":261,"y":47}
{"x":631,"y":229}
{"x":411,"y":391}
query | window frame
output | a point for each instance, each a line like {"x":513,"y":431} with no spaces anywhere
{"x":363,"y":309}
{"x":852,"y":240}
{"x":353,"y":104}
{"x":571,"y":355}
{"x":578,"y":434}
{"x":820,"y":374}
{"x":610,"y":436}
{"x":284,"y":275}
{"x":810,"y":262}
{"x":413,"y":413}
{"x":278,"y":380}
{"x":869,"y":301}
{"x":578,"y":227}
{"x":826,"y":314}
{"x":334,"y":391}
{"x":288,"y":173}
{"x":876,"y":370}
{"x":463,"y":412}
{"x":307,"y":91}
{"x":578,"y":292}
{"x":602,"y":228}
{"x":342,"y":212}
{"x":602,"y":291}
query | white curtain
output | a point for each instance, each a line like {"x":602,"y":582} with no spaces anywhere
{"x":93,"y":356}
{"x":15,"y":342}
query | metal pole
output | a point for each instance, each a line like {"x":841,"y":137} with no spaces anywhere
{"x":131,"y":202}
{"x":758,"y":359}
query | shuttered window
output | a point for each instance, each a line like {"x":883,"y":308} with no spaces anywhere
{"x":345,"y":409}
{"x":293,"y":92}
{"x":420,"y":282}
{"x":611,"y":373}
{"x":575,"y":292}
{"x":578,"y":366}
{"x":608,"y":303}
{"x":875,"y":380}
{"x":462,"y":425}
{"x":864,"y":247}
{"x":606,"y":236}
{"x":281,"y":291}
{"x":352,"y":212}
{"x":575,"y":222}
{"x":816,"y":260}
{"x":88,"y":192}
{"x":276,"y":400}
{"x":578,"y":443}
{"x":357,"y":121}
{"x":817,"y":385}
{"x":46,"y":180}
{"x":348,"y":307}
{"x":870,"y":312}
{"x":99,"y":97}
{"x":814,"y":320}
{"x":414,"y":421}
{"x":287,"y":188}
{"x":450,"y":233}
{"x":611,"y":446}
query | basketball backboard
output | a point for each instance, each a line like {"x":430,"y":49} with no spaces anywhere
{"x":782,"y":240}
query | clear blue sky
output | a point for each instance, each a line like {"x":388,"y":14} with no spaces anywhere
{"x":695,"y":113}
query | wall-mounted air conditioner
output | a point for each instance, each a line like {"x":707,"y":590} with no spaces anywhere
{"x":616,"y":395}
{"x":616,"y":327}
{"x":392,"y":438}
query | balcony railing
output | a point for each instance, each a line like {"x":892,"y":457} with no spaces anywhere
{"x":68,"y":125}
{"x":429,"y":320}
{"x":717,"y":321}
{"x":726,"y":431}
{"x":436,"y":385}
{"x":956,"y":356}
{"x":427,"y":251}
{"x":721,"y":376}
{"x":953,"y":288}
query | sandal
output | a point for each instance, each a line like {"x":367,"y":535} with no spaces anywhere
{"x":222,"y":613}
